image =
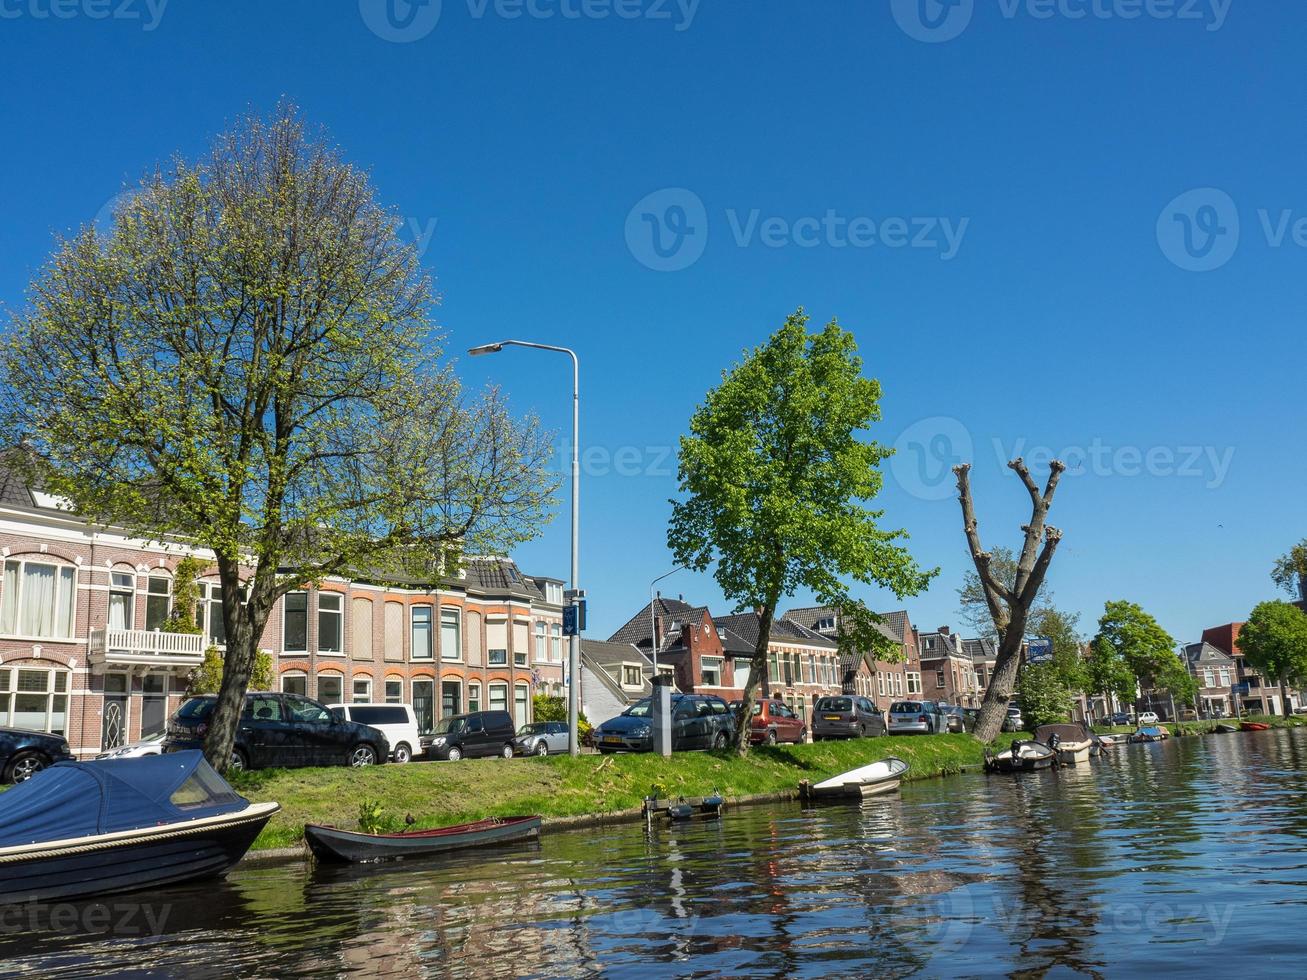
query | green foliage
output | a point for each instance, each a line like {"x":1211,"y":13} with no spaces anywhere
{"x":1290,"y":571}
{"x":373,"y":818}
{"x":1147,"y":649}
{"x":773,"y":476}
{"x":1107,"y":674}
{"x":975,"y":611}
{"x":207,"y":677}
{"x":185,"y":594}
{"x":1274,"y":642}
{"x":548,"y":707}
{"x":1068,"y":661}
{"x":1043,"y":698}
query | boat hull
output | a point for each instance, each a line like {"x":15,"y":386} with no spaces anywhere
{"x":876,"y":779}
{"x":1073,"y":755}
{"x":1253,"y":726}
{"x":153,"y":858}
{"x":332,"y":845}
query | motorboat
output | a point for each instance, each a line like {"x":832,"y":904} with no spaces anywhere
{"x":83,"y":829}
{"x":1151,"y":733}
{"x":870,"y":780}
{"x":1224,"y":729}
{"x":1022,"y":756}
{"x":334,"y":844}
{"x":1111,"y":740}
{"x":1072,"y":741}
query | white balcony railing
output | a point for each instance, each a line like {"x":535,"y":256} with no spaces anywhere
{"x":146,"y":646}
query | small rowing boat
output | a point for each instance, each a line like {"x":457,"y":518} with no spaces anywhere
{"x":870,"y":780}
{"x":333,"y":844}
{"x":1253,"y":726}
{"x":1152,"y":733}
{"x":1224,"y":729}
{"x":1112,"y":740}
{"x":1021,"y":757}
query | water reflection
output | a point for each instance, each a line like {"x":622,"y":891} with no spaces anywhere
{"x":1155,"y":858}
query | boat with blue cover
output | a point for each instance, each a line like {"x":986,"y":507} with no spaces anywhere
{"x":82,"y":829}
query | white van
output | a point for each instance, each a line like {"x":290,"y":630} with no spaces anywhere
{"x":396,"y":721}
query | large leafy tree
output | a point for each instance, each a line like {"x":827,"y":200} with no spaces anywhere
{"x":247,"y":361}
{"x":1043,"y":695}
{"x":1062,"y":628}
{"x":1107,"y":674}
{"x":1274,"y":643}
{"x":775,"y":474}
{"x":1290,"y":571}
{"x":1147,"y":650}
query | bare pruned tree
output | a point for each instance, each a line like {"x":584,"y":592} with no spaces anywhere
{"x":1009,"y":604}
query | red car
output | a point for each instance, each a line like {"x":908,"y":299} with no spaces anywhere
{"x":774,"y":722}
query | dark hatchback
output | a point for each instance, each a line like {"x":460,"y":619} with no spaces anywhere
{"x":282,"y":730}
{"x":698,"y":722}
{"x":23,"y":754}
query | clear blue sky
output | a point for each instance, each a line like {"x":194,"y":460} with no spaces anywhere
{"x":1065,"y":313}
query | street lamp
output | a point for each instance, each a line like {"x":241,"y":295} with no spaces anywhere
{"x":574,"y":650}
{"x":653,"y":619}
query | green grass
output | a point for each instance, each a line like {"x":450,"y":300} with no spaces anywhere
{"x":1208,"y":725}
{"x":439,"y":793}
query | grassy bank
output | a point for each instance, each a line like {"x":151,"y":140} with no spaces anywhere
{"x":438,"y":793}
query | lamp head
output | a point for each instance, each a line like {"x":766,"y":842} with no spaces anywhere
{"x":486,"y":349}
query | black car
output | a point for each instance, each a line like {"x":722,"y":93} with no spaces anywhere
{"x":698,"y":722}
{"x":477,"y":733}
{"x":283,"y":730}
{"x":23,"y":754}
{"x":846,"y":716}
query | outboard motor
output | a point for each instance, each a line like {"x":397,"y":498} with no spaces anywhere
{"x":1054,"y":741}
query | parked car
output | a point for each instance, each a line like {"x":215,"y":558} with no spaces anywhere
{"x":1148,"y":718}
{"x":698,"y":722}
{"x":23,"y":754}
{"x":916,"y":718}
{"x":396,"y":721}
{"x":954,"y":718}
{"x":541,"y":738}
{"x":772,"y":722}
{"x":283,"y":730}
{"x":1012,"y":721}
{"x":472,"y":735}
{"x":1300,"y":710}
{"x":1121,"y":718}
{"x":150,"y":745}
{"x":846,"y":716}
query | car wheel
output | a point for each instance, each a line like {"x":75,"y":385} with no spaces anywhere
{"x":803,"y":736}
{"x":26,"y":765}
{"x":816,"y":738}
{"x":542,"y":748}
{"x":238,"y":761}
{"x":507,"y":752}
{"x":403,"y":753}
{"x":720,"y":741}
{"x":862,"y":732}
{"x":362,"y":755}
{"x":455,"y":754}
{"x":771,"y":737}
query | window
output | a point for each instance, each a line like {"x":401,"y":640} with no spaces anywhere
{"x":122,"y":599}
{"x":521,"y":642}
{"x":360,"y":626}
{"x":787,"y":663}
{"x":362,"y":689}
{"x":34,"y":699}
{"x":880,"y":683}
{"x":632,"y":676}
{"x":498,"y":697}
{"x":712,"y":671}
{"x":330,"y":623}
{"x":157,"y":592}
{"x":295,"y":623}
{"x":939,"y":678}
{"x":294,"y":684}
{"x":914,"y":683}
{"x":451,"y":696}
{"x":808,"y":672}
{"x":208,"y":614}
{"x":38,"y":599}
{"x":556,"y":643}
{"x":1225,"y":676}
{"x":1209,"y":677}
{"x":331,"y":688}
{"x":393,"y":641}
{"x":451,"y":636}
{"x":474,"y":697}
{"x":394,"y":690}
{"x":773,"y":668}
{"x":521,"y":705}
{"x":421,"y":633}
{"x":553,"y":593}
{"x":497,"y":643}
{"x":542,"y":642}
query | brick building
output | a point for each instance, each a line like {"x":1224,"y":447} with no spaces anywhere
{"x":1259,"y":696}
{"x":948,"y":669}
{"x":881,"y":680}
{"x":81,"y":653}
{"x":1214,"y":670}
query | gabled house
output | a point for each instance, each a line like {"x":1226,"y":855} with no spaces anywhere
{"x":863,"y":673}
{"x":1254,"y":694}
{"x":948,"y":670}
{"x":700,"y":653}
{"x":1214,"y":670}
{"x":802,"y":664}
{"x":613,"y":677}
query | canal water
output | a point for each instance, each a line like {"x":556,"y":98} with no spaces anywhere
{"x":1183,"y":857}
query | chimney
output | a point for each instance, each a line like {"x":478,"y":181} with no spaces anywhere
{"x":943,"y":631}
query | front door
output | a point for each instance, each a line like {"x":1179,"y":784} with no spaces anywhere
{"x":113,"y":722}
{"x":451,"y":698}
{"x":521,"y":705}
{"x":424,"y":705}
{"x":154,"y":704}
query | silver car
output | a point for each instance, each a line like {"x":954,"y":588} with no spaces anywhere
{"x":541,"y":738}
{"x":916,"y":718}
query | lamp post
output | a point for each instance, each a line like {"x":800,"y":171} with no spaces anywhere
{"x":653,"y":618}
{"x":574,"y":647}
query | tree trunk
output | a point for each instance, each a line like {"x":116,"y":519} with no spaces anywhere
{"x":757,"y":671}
{"x":1284,"y":700}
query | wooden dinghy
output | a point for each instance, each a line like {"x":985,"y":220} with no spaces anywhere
{"x":1224,"y":729}
{"x":875,"y":779}
{"x":333,"y":844}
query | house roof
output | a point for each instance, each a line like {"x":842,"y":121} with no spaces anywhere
{"x":897,"y":623}
{"x":1197,"y":654}
{"x":810,"y":616}
{"x":603,"y":658}
{"x":979,"y":649}
{"x":745,"y":625}
{"x":636,"y":629}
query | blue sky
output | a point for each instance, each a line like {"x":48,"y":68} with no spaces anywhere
{"x":1050,"y":233}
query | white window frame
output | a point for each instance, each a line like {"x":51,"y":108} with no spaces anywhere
{"x":541,"y":642}
{"x":331,"y":675}
{"x":158,"y":575}
{"x":490,"y":696}
{"x":65,"y":593}
{"x":716,"y":665}
{"x":285,"y":621}
{"x":474,"y":696}
{"x":385,"y":689}
{"x":413,"y":631}
{"x":354,"y":682}
{"x":456,"y":616}
{"x":556,"y":643}
{"x":9,"y":695}
{"x":627,"y":668}
{"x":127,"y":590}
{"x":339,"y":613}
{"x":913,"y":682}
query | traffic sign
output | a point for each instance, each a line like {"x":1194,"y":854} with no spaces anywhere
{"x":1039,"y":650}
{"x":574,"y":618}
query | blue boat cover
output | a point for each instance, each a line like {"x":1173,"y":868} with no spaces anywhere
{"x":81,"y":799}
{"x":1152,"y":731}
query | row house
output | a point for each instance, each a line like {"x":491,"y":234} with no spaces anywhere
{"x":881,"y":680}
{"x":1214,"y":671}
{"x":802,"y":664}
{"x":613,"y":677}
{"x":82,"y":653}
{"x":948,"y":670}
{"x":1252,"y":693}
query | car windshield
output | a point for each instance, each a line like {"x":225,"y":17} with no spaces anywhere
{"x":639,"y":710}
{"x":447,"y":725}
{"x":537,"y":729}
{"x":197,"y":709}
{"x":835,"y":704}
{"x":905,"y":707}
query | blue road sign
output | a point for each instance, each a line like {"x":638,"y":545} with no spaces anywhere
{"x":1039,"y":650}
